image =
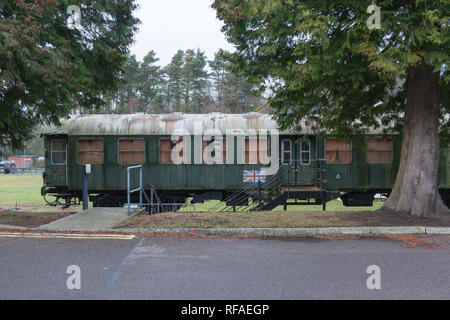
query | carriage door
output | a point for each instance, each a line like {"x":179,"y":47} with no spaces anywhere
{"x":304,"y":151}
{"x":301,"y":169}
{"x":56,"y":161}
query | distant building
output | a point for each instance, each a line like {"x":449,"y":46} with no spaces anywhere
{"x":23,"y":161}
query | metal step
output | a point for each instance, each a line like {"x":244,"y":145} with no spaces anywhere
{"x":300,"y":188}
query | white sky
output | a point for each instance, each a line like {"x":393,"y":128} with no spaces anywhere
{"x":169,"y":25}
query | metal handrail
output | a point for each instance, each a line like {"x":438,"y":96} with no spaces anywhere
{"x":140,"y":189}
{"x":246,"y":190}
{"x":273,"y":185}
{"x":221,"y":206}
{"x":151,"y":203}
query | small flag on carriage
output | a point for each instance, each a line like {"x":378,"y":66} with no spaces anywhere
{"x":253,"y":176}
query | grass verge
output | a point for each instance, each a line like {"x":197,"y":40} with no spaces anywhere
{"x":277,"y":219}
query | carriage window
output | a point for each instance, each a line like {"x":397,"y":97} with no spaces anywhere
{"x":208,"y":152}
{"x":305,"y":152}
{"x":90,"y":151}
{"x":263,"y":150}
{"x":251,"y":150}
{"x":338,"y":151}
{"x":131,"y":151}
{"x":379,"y":150}
{"x":58,"y":152}
{"x":286,"y":151}
{"x":167,"y":147}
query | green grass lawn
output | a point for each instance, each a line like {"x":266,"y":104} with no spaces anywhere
{"x":25,"y":190}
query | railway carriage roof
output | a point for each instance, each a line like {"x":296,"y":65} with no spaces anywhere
{"x":168,"y":124}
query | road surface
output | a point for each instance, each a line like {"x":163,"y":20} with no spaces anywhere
{"x":222,"y":268}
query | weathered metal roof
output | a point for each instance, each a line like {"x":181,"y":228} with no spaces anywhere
{"x":168,"y":124}
{"x":174,"y":123}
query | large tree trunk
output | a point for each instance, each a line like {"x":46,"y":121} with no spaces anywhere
{"x":416,"y":187}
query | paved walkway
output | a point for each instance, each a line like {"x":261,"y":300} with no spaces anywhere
{"x":92,"y":219}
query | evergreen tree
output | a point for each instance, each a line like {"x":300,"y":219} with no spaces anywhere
{"x":48,"y":69}
{"x":218,"y":67}
{"x":232,"y":92}
{"x":199,"y":82}
{"x":130,"y":88}
{"x":150,"y":84}
{"x":174,"y":81}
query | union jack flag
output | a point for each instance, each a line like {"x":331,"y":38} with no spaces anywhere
{"x":253,"y":176}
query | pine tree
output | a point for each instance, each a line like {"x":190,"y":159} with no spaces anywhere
{"x":233,"y":92}
{"x":218,"y":67}
{"x":150,"y":84}
{"x":174,"y":81}
{"x":199,"y":81}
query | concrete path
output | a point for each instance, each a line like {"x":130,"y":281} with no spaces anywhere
{"x":92,"y":219}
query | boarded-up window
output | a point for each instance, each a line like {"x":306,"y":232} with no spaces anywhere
{"x":256,"y":150}
{"x":168,"y":147}
{"x":132,"y":151}
{"x":90,"y":151}
{"x":338,"y":151}
{"x":379,"y":150}
{"x":58,"y":152}
{"x":251,"y":150}
{"x":263,"y":150}
{"x":286,"y":151}
{"x":207,"y":153}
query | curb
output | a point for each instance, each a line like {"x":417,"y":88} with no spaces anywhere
{"x":293,"y":231}
{"x":437,"y":230}
{"x":5,"y":226}
{"x":283,"y":232}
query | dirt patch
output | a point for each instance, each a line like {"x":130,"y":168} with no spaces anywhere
{"x":29,"y":219}
{"x":387,"y":218}
{"x":288,"y":219}
{"x":421,"y":241}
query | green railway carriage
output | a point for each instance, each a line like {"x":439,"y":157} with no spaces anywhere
{"x":241,"y":160}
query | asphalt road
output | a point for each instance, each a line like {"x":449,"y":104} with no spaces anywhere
{"x":217,"y":268}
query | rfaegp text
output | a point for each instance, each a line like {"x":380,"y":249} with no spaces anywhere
{"x":230,"y":309}
{"x":246,"y":309}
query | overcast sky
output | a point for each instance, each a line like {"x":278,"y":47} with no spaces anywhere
{"x":169,"y":25}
